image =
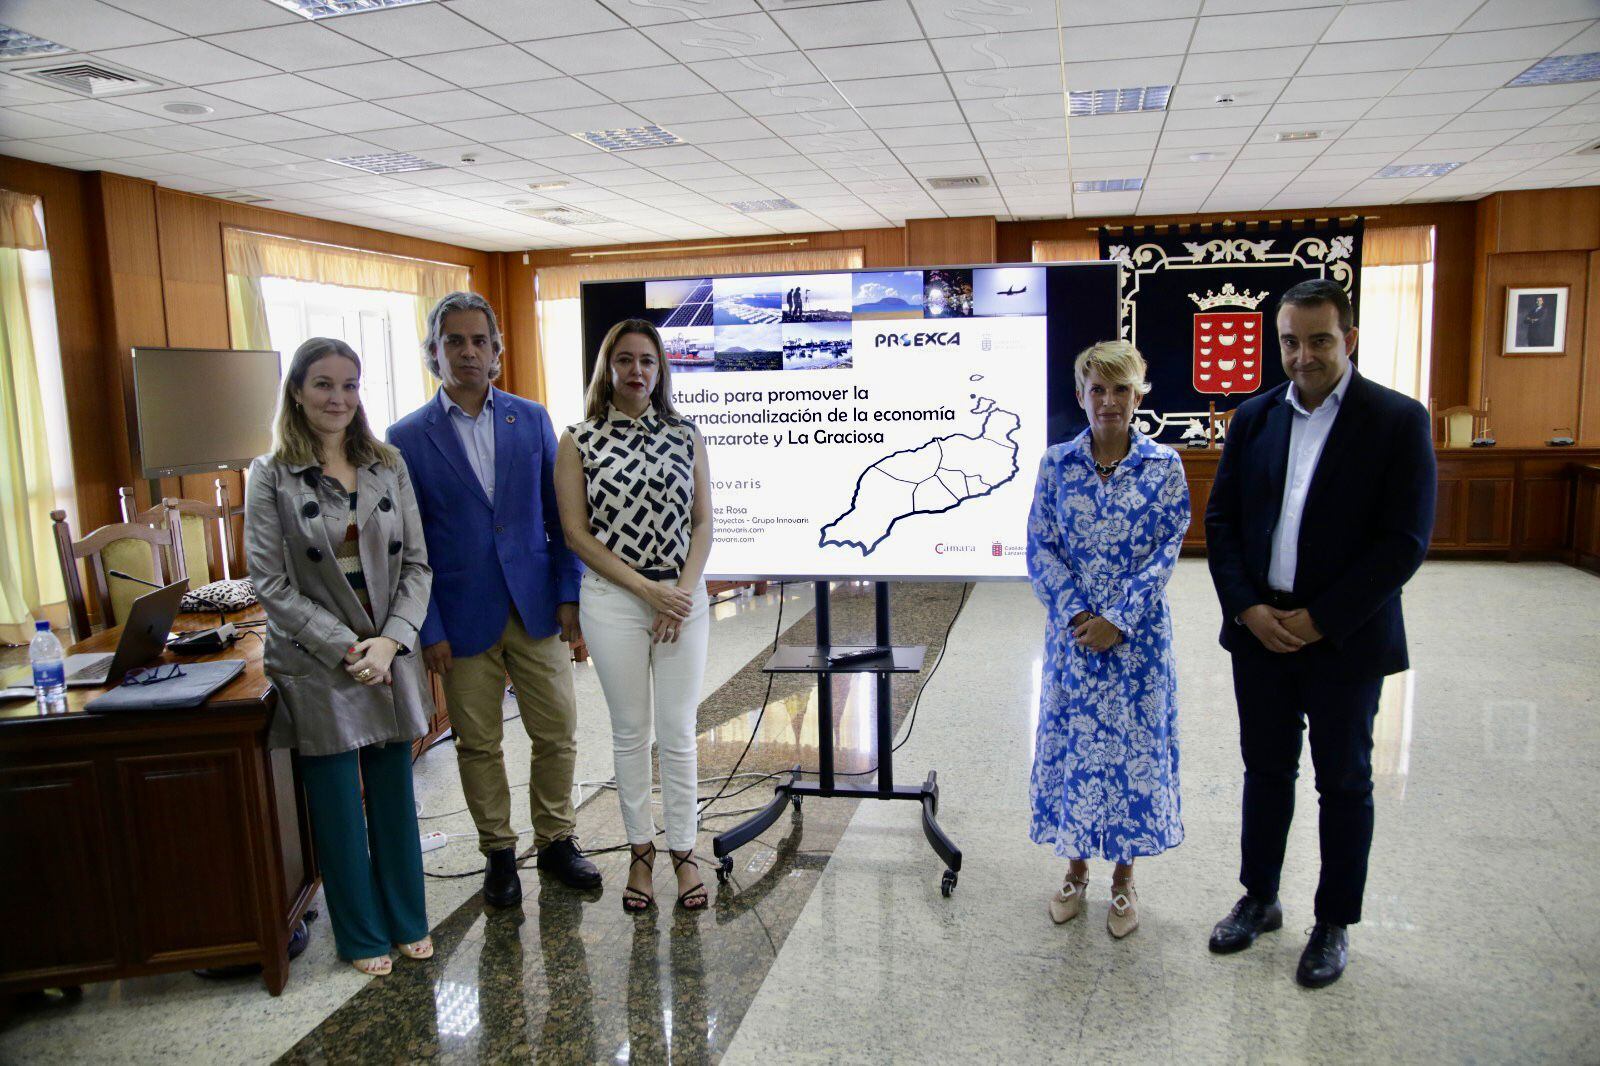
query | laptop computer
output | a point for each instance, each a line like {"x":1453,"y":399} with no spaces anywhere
{"x":144,"y":637}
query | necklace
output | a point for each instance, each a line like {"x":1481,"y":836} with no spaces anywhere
{"x":1105,"y":470}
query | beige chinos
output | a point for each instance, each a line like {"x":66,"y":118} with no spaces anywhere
{"x":541,"y":672}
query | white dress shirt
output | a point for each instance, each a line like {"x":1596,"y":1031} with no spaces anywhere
{"x":477,"y":437}
{"x":1307,"y":435}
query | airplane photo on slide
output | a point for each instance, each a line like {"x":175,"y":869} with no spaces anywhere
{"x":1008,"y":291}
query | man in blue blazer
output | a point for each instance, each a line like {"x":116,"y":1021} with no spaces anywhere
{"x":1321,"y":510}
{"x":505,"y":590}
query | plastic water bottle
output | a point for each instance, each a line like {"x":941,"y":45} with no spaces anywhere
{"x":49,"y":670}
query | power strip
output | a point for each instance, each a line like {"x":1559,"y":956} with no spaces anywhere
{"x":433,"y":841}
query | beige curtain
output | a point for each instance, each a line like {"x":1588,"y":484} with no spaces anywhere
{"x":1071,"y":250}
{"x":556,"y":289}
{"x":250,"y":256}
{"x":1396,"y":309}
{"x":30,"y":577}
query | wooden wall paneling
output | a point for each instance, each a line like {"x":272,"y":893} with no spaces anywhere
{"x":1586,"y":522}
{"x":1448,"y":509}
{"x":133,"y":307}
{"x":1543,"y":507}
{"x":191,"y":270}
{"x":1548,"y":220}
{"x":1588,"y":427}
{"x":1487,"y":214}
{"x":1487,"y":512}
{"x":524,"y":363}
{"x":1531,"y":395}
{"x":935,"y":241}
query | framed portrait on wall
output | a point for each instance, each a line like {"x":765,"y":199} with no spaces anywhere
{"x":1536,"y":321}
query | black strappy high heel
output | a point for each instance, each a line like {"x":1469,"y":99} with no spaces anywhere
{"x":693,"y":898}
{"x":635,"y":901}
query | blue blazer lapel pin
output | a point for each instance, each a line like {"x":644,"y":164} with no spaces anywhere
{"x":511,"y":420}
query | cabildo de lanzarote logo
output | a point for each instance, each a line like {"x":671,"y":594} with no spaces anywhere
{"x":919,"y":339}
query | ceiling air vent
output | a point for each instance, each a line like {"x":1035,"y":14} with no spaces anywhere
{"x":95,"y":79}
{"x":243,"y":197}
{"x":563,"y":216}
{"x":971,"y":181}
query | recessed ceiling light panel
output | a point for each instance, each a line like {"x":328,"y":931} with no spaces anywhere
{"x":321,"y":9}
{"x":1417,"y":170}
{"x":547,"y":186}
{"x":387,"y":163}
{"x":631,"y":138}
{"x":1113,"y":101}
{"x":1558,"y":70}
{"x":1297,"y":135}
{"x":14,"y":44}
{"x":751,"y":207}
{"x":1109,"y":185}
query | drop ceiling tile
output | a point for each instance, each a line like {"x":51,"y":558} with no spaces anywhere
{"x":133,"y":168}
{"x":545,"y":94}
{"x":182,"y":138}
{"x":1285,"y":150}
{"x":500,"y":128}
{"x":879,"y":92}
{"x":1000,"y":109}
{"x":1127,"y":122}
{"x":1127,"y":162}
{"x":940,"y":18}
{"x":1275,"y":29}
{"x":1006,"y":166}
{"x":721,"y":38}
{"x":781,"y":68}
{"x":297,"y":46}
{"x":1025,"y":129}
{"x":1519,"y":45}
{"x":348,"y":118}
{"x":1333,"y":87}
{"x":867,"y":22}
{"x":1348,"y":146}
{"x":1217,"y":118}
{"x":1181,"y":155}
{"x":596,"y":117}
{"x":1009,"y":81}
{"x":313,"y":171}
{"x":940,"y":112}
{"x":1319,"y":114}
{"x":1508,"y":14}
{"x":279,"y":92}
{"x":187,"y":62}
{"x":195,"y":184}
{"x":1259,"y":64}
{"x":414,"y":137}
{"x":814,"y":122}
{"x":875,"y":60}
{"x":1025,"y":148}
{"x":253,"y":155}
{"x":788,"y":100}
{"x":1279,"y":165}
{"x":1499,"y":120}
{"x":557,"y":147}
{"x":1458,"y":79}
{"x":1533,"y":96}
{"x":387,"y":77}
{"x":1450,"y":104}
{"x":706,"y":107}
{"x":947,"y":134}
{"x":1575,"y":115}
{"x":1464,"y":140}
{"x":754,"y":148}
{"x":719,"y":130}
{"x":330,"y":147}
{"x":596,"y":52}
{"x":475,"y":67}
{"x":105,"y":145}
{"x":417,"y":29}
{"x":1122,"y":73}
{"x":1359,"y":56}
{"x":996,"y":51}
{"x":93,"y":115}
{"x":17,"y":124}
{"x":1203,"y":139}
{"x":1116,"y":142}
{"x":866,"y":157}
{"x":1399,"y":18}
{"x":1528,"y":150}
{"x":647,"y":83}
{"x":835,"y":142}
{"x":447,"y":107}
{"x":83,"y":25}
{"x":922,"y":153}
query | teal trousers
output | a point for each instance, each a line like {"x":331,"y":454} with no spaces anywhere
{"x":370,"y":855}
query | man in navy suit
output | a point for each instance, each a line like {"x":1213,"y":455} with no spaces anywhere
{"x":1321,"y":510}
{"x":505,"y":590}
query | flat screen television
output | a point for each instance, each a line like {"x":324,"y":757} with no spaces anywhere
{"x":882,"y":424}
{"x":201,"y":409}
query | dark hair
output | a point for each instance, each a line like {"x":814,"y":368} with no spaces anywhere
{"x":459,"y":301}
{"x":598,"y":397}
{"x":1315,"y":293}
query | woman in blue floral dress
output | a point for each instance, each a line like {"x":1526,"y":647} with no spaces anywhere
{"x":1109,"y":514}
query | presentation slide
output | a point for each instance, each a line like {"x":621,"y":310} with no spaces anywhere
{"x":872,"y":424}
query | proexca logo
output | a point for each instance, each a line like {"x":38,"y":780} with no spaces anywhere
{"x":919,"y":339}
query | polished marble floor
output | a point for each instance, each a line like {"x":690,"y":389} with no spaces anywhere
{"x":832,"y":943}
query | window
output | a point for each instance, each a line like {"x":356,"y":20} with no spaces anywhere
{"x":380,"y":326}
{"x":1396,"y":312}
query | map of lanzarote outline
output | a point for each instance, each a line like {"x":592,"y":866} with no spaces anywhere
{"x":931,"y":478}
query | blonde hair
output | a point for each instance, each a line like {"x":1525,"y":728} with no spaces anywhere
{"x":598,"y":396}
{"x":293,"y":440}
{"x":1117,"y":362}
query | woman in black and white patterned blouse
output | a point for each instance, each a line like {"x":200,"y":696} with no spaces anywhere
{"x":634,"y":490}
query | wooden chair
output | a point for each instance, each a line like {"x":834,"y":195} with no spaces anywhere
{"x":119,"y":546}
{"x":1459,"y":426}
{"x":190,"y":519}
{"x":1217,"y":423}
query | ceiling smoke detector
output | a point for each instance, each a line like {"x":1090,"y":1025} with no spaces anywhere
{"x":181,"y":107}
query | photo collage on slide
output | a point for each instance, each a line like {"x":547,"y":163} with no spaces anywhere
{"x":804,"y":321}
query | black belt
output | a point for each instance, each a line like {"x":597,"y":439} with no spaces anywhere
{"x":664,"y":574}
{"x":1283,"y":601}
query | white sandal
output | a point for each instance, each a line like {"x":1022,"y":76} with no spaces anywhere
{"x":374,"y":967}
{"x":421,"y":949}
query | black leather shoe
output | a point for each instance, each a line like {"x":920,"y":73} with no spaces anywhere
{"x":502,"y":886}
{"x":1248,"y":920}
{"x":562,"y":858}
{"x":1323,"y":961}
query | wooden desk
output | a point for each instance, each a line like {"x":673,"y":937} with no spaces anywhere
{"x":148,"y":842}
{"x":1494,"y":503}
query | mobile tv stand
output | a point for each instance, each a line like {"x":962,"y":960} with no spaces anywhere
{"x":790,"y":659}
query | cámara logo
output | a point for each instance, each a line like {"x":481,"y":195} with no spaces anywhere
{"x":920,"y":339}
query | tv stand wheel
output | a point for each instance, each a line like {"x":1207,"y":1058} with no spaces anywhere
{"x":724,"y":869}
{"x":795,"y":800}
{"x":947,"y":883}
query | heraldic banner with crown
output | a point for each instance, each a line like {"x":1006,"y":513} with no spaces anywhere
{"x":1200,"y":304}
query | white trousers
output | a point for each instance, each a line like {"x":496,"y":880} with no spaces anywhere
{"x":616,"y":626}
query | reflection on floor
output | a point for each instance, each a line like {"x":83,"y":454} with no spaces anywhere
{"x":833,"y":944}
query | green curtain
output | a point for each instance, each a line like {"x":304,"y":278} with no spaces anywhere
{"x":30,"y":575}
{"x":247,"y":314}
